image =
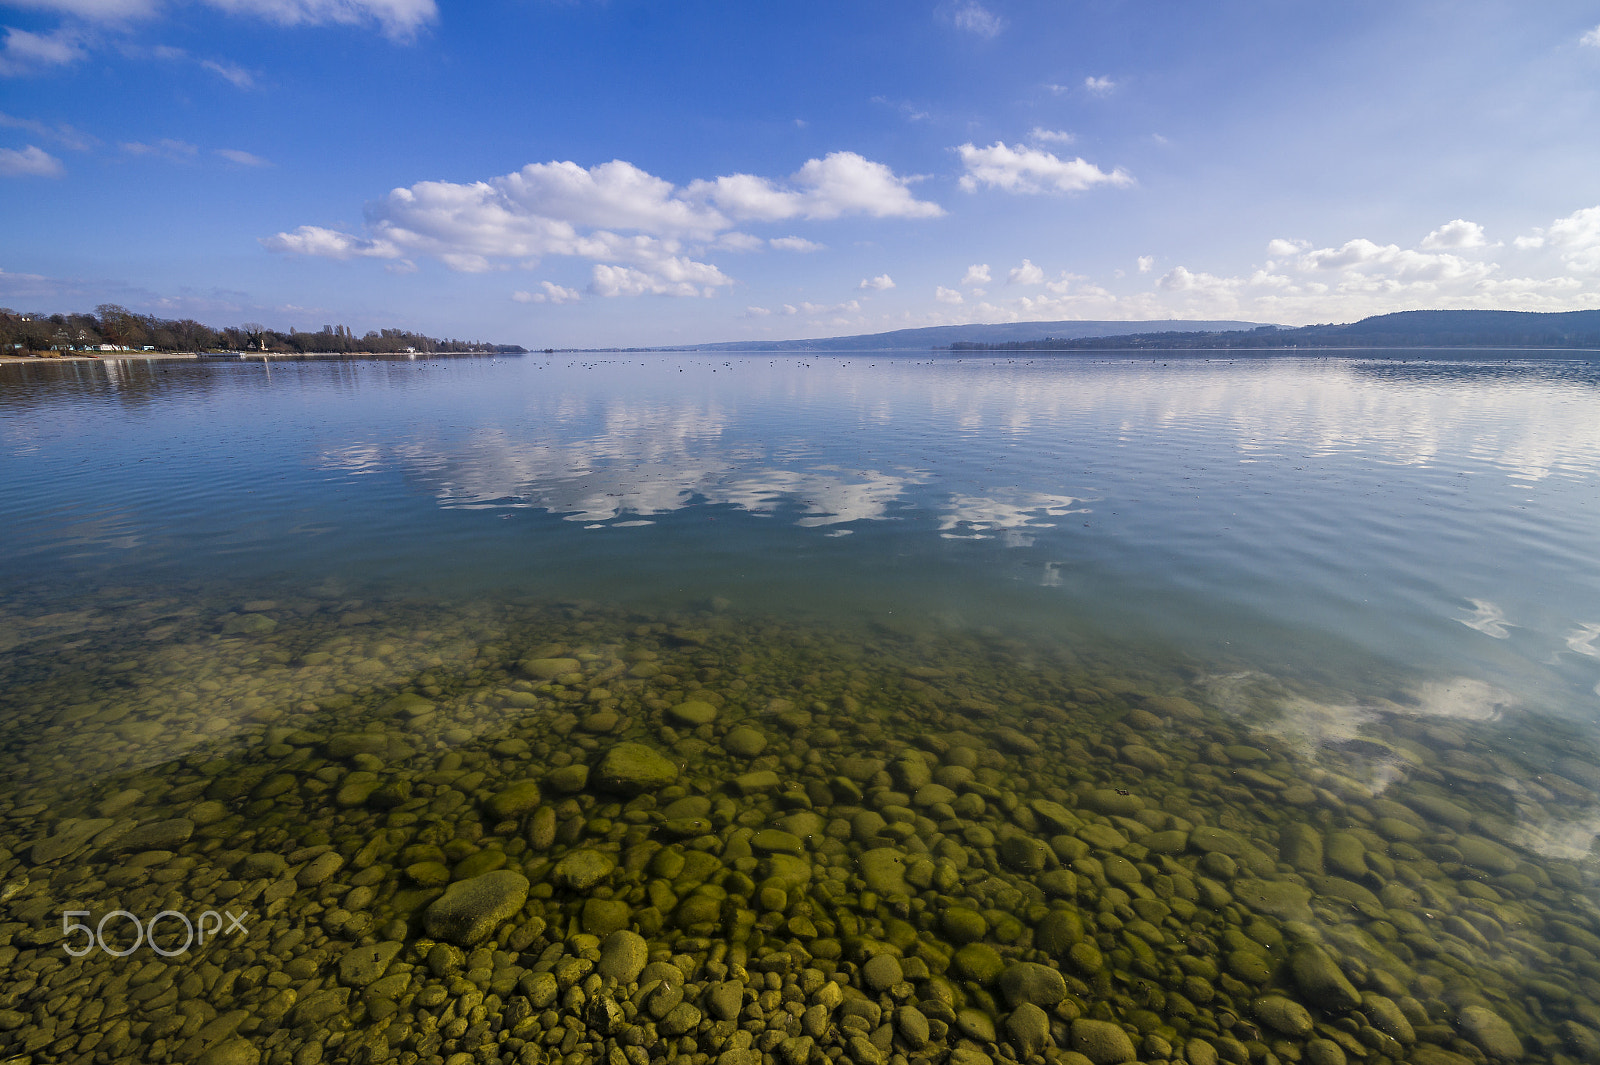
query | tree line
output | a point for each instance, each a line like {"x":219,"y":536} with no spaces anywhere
{"x":113,"y":327}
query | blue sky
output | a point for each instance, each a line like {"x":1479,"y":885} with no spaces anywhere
{"x":576,"y":173}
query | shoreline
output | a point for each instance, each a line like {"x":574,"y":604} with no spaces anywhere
{"x":241,"y":356}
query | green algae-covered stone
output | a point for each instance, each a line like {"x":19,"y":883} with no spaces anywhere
{"x":633,"y":768}
{"x":884,"y":870}
{"x":978,"y":962}
{"x":1032,"y":982}
{"x":581,"y":870}
{"x":1284,"y":1015}
{"x":1320,"y":980}
{"x":511,"y":803}
{"x":963,"y":925}
{"x":693,"y":712}
{"x":549,"y":668}
{"x":1058,"y":931}
{"x":470,"y":910}
{"x":1102,"y":1042}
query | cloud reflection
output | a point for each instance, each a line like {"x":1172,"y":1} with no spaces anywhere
{"x":646,"y":460}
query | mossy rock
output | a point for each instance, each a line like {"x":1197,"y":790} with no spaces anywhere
{"x":510,"y":803}
{"x":979,"y":963}
{"x":549,"y":668}
{"x":470,"y":910}
{"x":633,"y":769}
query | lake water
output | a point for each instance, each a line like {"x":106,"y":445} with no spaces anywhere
{"x":630,"y":707}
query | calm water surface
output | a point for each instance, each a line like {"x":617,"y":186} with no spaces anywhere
{"x":1257,"y":698}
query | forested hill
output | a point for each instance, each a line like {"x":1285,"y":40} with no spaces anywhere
{"x":939,"y":336}
{"x":1404,"y":329}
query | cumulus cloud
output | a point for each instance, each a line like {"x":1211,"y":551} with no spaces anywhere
{"x":1592,"y":38}
{"x":1026,"y":274}
{"x":28,"y":162}
{"x":947,"y":295}
{"x":977,"y":274}
{"x":1279,"y":248}
{"x":331,"y":244}
{"x":30,"y":53}
{"x":1360,"y":255}
{"x":1099,"y":86}
{"x":838,"y":184}
{"x":669,"y":277}
{"x":796,"y":244}
{"x":551,"y":293}
{"x":1457,"y":234}
{"x":1578,"y":238}
{"x":242,"y":158}
{"x":1146,"y":263}
{"x":976,"y":19}
{"x":881,"y":283}
{"x":1031,"y":170}
{"x":561,"y":208}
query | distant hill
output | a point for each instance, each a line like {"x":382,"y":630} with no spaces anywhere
{"x":942,"y":336}
{"x":1403,"y":329}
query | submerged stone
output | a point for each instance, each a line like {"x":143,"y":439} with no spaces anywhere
{"x":470,"y":910}
{"x":633,"y":768}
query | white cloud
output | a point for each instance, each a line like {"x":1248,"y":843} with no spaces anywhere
{"x":242,"y":158}
{"x":1457,"y":234}
{"x":1578,"y":238}
{"x":1279,"y":248}
{"x":331,"y":244}
{"x":29,"y":53}
{"x":1527,"y":243}
{"x":94,"y":10}
{"x":565,"y":210}
{"x":796,"y":244}
{"x":1099,"y":86}
{"x":400,"y":19}
{"x":553,"y":293}
{"x":881,"y":283}
{"x":975,"y":18}
{"x":1040,"y":135}
{"x":1031,"y":170}
{"x":1146,"y":263}
{"x":1592,"y":38}
{"x":977,"y":274}
{"x":561,"y":208}
{"x":947,"y":295}
{"x":736,"y":241}
{"x":756,"y":312}
{"x":166,"y":148}
{"x":239,"y":76}
{"x":66,"y":136}
{"x":1026,"y":274}
{"x":669,"y":277}
{"x":838,"y":184}
{"x":28,"y":162}
{"x":1361,"y":255}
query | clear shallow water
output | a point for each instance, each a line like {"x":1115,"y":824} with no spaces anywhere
{"x":1373,"y":581}
{"x":1437,"y":517}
